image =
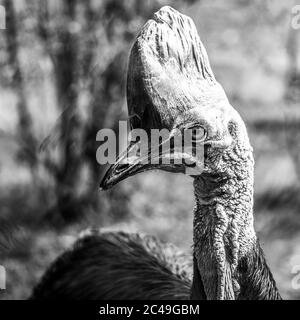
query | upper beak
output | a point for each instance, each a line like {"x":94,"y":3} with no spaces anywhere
{"x":166,"y":157}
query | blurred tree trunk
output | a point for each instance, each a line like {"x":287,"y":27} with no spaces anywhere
{"x":66,"y":69}
{"x":106,"y":91}
{"x":292,"y":98}
{"x":62,"y":46}
{"x":25,"y":135}
{"x":92,"y":76}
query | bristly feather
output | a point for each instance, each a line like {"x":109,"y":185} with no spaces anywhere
{"x":255,"y":277}
{"x":117,"y":265}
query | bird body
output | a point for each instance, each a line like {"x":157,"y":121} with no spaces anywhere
{"x":151,"y":269}
{"x":132,"y":266}
{"x":171,"y":86}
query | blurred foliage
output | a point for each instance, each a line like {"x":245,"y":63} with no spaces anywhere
{"x":63,"y":77}
{"x":85,"y":45}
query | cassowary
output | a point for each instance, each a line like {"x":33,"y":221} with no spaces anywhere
{"x":171,"y":86}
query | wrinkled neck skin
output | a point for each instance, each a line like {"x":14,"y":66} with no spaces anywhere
{"x":225,"y":244}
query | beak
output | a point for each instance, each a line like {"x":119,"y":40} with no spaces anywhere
{"x":165,"y":157}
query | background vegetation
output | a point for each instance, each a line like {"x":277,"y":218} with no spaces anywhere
{"x":62,"y":78}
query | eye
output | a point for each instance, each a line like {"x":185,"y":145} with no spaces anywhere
{"x":198,"y":134}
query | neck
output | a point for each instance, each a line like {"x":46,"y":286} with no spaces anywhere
{"x":224,"y":236}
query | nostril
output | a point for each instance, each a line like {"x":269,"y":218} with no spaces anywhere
{"x":232,"y":128}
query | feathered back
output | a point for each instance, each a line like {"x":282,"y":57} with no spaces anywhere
{"x":117,"y":265}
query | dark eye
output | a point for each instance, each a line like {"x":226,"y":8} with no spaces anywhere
{"x":198,"y":134}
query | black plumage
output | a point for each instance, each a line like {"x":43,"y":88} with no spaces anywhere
{"x":117,"y":265}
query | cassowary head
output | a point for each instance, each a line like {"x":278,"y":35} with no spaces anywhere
{"x":171,"y":86}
